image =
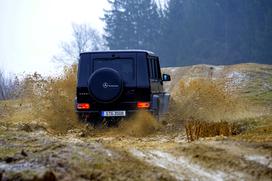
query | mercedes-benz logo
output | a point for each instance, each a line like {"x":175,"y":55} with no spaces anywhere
{"x":105,"y":85}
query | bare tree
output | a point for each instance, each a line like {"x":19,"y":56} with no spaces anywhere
{"x":2,"y":86}
{"x":7,"y":85}
{"x":85,"y":38}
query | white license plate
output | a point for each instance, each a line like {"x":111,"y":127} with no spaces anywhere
{"x":113,"y":113}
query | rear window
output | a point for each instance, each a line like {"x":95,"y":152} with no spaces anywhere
{"x":124,"y":66}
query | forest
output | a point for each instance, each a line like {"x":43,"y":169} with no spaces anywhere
{"x":188,"y":32}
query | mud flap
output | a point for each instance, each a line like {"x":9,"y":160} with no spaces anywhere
{"x":155,"y":102}
{"x":161,"y":103}
{"x":164,"y":103}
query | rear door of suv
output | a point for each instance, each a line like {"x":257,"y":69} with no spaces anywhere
{"x":123,"y":62}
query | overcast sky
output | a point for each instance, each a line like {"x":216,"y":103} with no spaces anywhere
{"x":31,"y":30}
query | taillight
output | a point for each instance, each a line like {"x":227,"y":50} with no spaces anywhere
{"x":143,"y":105}
{"x":83,"y":106}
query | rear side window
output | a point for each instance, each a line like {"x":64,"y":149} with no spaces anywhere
{"x":154,"y":63}
{"x":125,"y":66}
{"x":154,"y":68}
{"x":158,"y":68}
{"x":151,"y":70}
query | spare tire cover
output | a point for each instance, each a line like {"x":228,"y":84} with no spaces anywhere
{"x":105,"y":85}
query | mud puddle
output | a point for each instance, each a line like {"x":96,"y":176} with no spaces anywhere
{"x":179,"y":167}
{"x":68,"y":157}
{"x":21,"y":166}
{"x":247,"y":151}
{"x":260,"y":159}
{"x":106,"y":155}
{"x":208,"y":159}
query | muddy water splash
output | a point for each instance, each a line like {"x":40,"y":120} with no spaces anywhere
{"x":204,"y":99}
{"x":49,"y":100}
{"x":140,"y":124}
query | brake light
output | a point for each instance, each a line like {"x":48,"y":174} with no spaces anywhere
{"x":143,"y":105}
{"x":83,"y":106}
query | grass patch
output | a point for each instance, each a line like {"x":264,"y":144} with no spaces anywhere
{"x":259,"y":91}
{"x":258,"y":130}
{"x":8,"y":151}
{"x":262,"y":98}
{"x":6,"y":108}
{"x":196,"y":129}
{"x":250,"y":129}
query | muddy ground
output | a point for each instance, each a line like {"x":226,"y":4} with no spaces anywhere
{"x":32,"y":153}
{"x":34,"y":146}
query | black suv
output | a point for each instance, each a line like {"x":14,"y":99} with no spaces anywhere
{"x":114,"y":84}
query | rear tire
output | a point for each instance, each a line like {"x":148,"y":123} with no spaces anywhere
{"x":89,"y":119}
{"x":81,"y":118}
{"x":156,"y":115}
{"x":97,"y":121}
{"x":113,"y":122}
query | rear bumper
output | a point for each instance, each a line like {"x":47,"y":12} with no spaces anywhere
{"x":95,"y":109}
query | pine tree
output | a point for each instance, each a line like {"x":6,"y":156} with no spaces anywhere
{"x":172,"y":33}
{"x":132,"y":24}
{"x":193,"y":31}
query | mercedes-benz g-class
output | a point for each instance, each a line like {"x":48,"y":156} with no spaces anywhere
{"x":115,"y":84}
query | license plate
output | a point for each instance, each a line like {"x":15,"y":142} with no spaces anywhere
{"x":113,"y":113}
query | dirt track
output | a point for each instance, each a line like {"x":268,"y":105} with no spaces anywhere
{"x":29,"y":150}
{"x":39,"y":155}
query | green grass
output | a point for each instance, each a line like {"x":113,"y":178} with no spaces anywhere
{"x":261,"y":98}
{"x":8,"y":151}
{"x":256,"y":129}
{"x":256,"y":93}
